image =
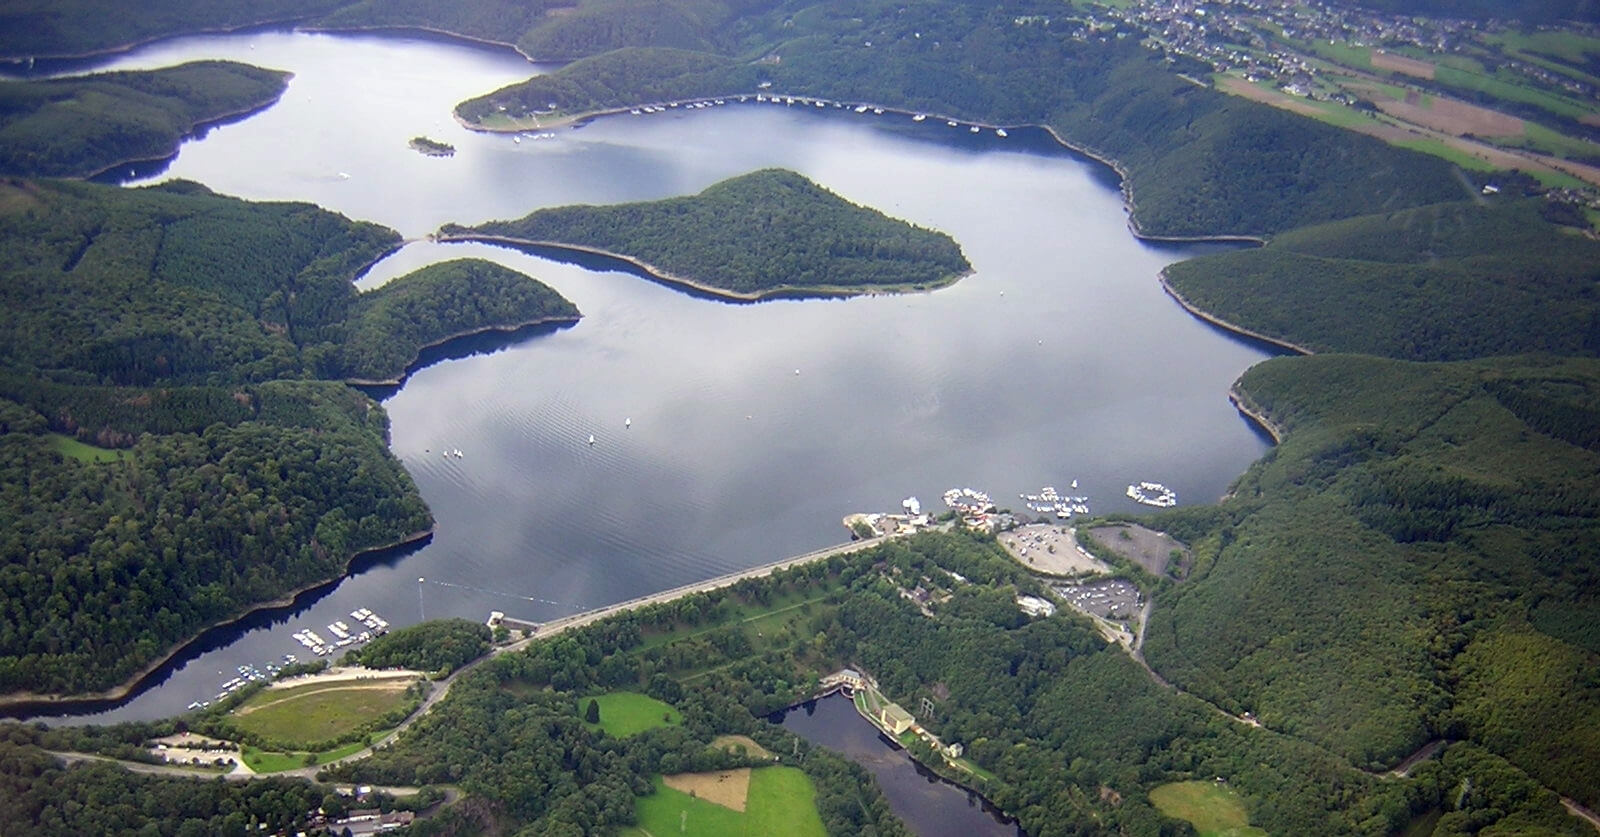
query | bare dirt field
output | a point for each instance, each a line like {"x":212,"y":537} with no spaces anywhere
{"x":1452,"y":116}
{"x":1046,"y":548}
{"x":1401,"y":64}
{"x":1239,"y":87}
{"x":725,"y":742}
{"x":727,"y":788}
{"x":1148,"y":548}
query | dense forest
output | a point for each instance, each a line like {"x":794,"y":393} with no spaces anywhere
{"x":1415,"y":561}
{"x":753,"y":234}
{"x":443,"y":645}
{"x":389,"y":326}
{"x":159,"y":322}
{"x":1444,"y":282}
{"x":172,"y":284}
{"x":76,"y":127}
{"x":107,"y":565}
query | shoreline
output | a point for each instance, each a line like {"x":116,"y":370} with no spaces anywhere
{"x":1232,"y":328}
{"x":664,"y":277}
{"x":411,"y":365}
{"x":381,"y":29}
{"x":131,"y":685}
{"x":129,"y":46}
{"x":744,"y":98}
{"x":1247,"y":407}
{"x":195,"y":128}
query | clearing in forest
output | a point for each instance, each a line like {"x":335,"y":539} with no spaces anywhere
{"x":739,"y":743}
{"x":629,"y":713}
{"x":1213,"y":808}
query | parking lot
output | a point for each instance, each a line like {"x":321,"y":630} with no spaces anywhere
{"x":1112,"y":598}
{"x":1051,"y":549}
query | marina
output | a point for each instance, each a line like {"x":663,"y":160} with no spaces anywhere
{"x":1049,"y":501}
{"x":1152,"y":494}
{"x":345,"y":636}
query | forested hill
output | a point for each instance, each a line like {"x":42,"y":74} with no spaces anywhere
{"x":1197,"y":162}
{"x":76,"y":127}
{"x":767,"y":231}
{"x":154,"y":322}
{"x":1415,"y":561}
{"x":107,"y":565}
{"x":1444,"y":282}
{"x":173,"y":284}
{"x":42,"y":28}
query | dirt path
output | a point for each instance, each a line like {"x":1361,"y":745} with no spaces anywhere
{"x":1581,"y":812}
{"x":1409,"y":763}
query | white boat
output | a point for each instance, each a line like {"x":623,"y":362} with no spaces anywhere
{"x":627,"y":422}
{"x":517,"y":139}
{"x":919,"y":117}
{"x":952,"y":123}
{"x":974,"y":129}
{"x":877,"y":111}
{"x":591,"y":440}
{"x":1000,"y":132}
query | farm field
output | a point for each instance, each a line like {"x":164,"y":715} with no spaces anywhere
{"x":1213,"y":808}
{"x":629,"y":713}
{"x":776,"y":800}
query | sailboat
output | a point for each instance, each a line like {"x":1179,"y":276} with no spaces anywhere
{"x":627,"y":422}
{"x":591,"y":440}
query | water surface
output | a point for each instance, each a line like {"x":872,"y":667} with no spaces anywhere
{"x":931,"y":806}
{"x":755,"y":428}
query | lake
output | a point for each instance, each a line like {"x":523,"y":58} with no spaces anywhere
{"x":754,"y":428}
{"x":931,"y":806}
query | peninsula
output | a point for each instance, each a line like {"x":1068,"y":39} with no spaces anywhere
{"x":79,"y":127}
{"x":764,"y":234}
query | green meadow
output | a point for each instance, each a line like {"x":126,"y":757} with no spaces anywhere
{"x":629,"y":713}
{"x":1213,"y":808}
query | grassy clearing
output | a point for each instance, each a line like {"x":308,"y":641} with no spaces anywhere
{"x":74,"y":449}
{"x":629,"y":713}
{"x":264,"y":761}
{"x":740,"y":742}
{"x":1214,"y":809}
{"x":780,"y":800}
{"x":318,"y":712}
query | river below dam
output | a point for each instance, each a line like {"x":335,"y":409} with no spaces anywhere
{"x":726,"y":435}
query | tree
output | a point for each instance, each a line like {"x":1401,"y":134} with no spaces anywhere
{"x":592,"y":714}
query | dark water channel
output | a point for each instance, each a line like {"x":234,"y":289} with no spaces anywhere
{"x":754,"y":428}
{"x":928,"y":804}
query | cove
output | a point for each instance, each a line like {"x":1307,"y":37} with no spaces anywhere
{"x":931,"y":806}
{"x":1060,"y":358}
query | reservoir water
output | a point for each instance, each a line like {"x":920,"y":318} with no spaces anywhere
{"x":754,"y":428}
{"x":930,"y":806}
